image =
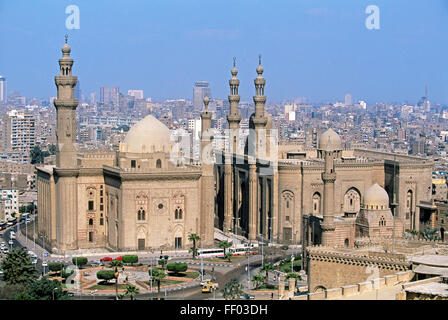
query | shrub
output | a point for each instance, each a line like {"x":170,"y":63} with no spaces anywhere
{"x":79,"y":261}
{"x":162,"y":262}
{"x":177,"y":267}
{"x":130,"y":259}
{"x":105,"y":275}
{"x":55,"y":266}
{"x":65,"y":274}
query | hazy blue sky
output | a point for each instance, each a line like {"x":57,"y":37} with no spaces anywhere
{"x":318,"y":49}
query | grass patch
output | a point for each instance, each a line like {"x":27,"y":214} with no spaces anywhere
{"x":192,"y":274}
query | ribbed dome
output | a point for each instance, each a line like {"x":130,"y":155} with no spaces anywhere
{"x":330,"y":140}
{"x":376,"y":196}
{"x":146,"y":136}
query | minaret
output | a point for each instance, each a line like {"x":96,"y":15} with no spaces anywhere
{"x":207,"y":179}
{"x":66,"y":111}
{"x":328,"y":177}
{"x":234,"y":116}
{"x":66,"y":171}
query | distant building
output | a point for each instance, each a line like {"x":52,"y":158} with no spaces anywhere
{"x":200,"y":91}
{"x":137,"y":94}
{"x":109,"y":96}
{"x":348,"y":99}
{"x":3,"y":91}
{"x":18,"y":131}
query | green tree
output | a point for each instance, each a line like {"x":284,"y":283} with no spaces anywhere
{"x":157,"y":275}
{"x":55,"y":266}
{"x":131,"y":291}
{"x":194,"y":237}
{"x":43,"y":289}
{"x":79,"y":261}
{"x":267,"y":267}
{"x":105,"y":275}
{"x":52,"y":149}
{"x":37,"y":155}
{"x":162,"y":262}
{"x":257,"y":279}
{"x":130,"y":259}
{"x":18,"y":269}
{"x":233,"y":290}
{"x":293,"y":275}
{"x":177,"y":267}
{"x":228,"y":256}
{"x":116,"y":263}
{"x":224,"y":244}
{"x":430,"y":233}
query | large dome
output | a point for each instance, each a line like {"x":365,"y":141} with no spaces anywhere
{"x":146,"y":136}
{"x":376,"y":196}
{"x":330,"y":140}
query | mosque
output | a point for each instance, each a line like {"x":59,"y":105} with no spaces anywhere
{"x":138,"y":198}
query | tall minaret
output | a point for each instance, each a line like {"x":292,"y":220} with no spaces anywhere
{"x":328,"y":177}
{"x":207,"y":178}
{"x":234,"y":116}
{"x":66,"y":111}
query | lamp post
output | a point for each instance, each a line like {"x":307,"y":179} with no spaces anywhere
{"x":116,"y":283}
{"x":248,"y":270}
{"x":262,"y":252}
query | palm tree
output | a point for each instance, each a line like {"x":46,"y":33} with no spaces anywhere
{"x":131,"y":291}
{"x":225,"y":245}
{"x":18,"y":269}
{"x":294,"y":276}
{"x":430,"y":234}
{"x":158,"y":275}
{"x":228,"y":256}
{"x":232,"y":290}
{"x":267,"y":268}
{"x":194,"y":237}
{"x":257,"y":280}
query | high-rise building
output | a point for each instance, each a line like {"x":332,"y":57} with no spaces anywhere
{"x":348,"y":99}
{"x":200,"y":91}
{"x":18,"y":131}
{"x":137,"y":94}
{"x":3,"y":92}
{"x":110,"y":96}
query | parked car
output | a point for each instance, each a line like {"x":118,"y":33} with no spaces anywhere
{"x":44,"y":264}
{"x":97,"y":263}
{"x":5,"y":251}
{"x":34,"y":261}
{"x":68,"y":293}
{"x":106,"y":259}
{"x":119,"y":258}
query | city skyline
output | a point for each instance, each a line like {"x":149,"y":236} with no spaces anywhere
{"x":316,"y":50}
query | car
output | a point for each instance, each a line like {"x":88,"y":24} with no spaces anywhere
{"x":68,"y":293}
{"x":34,"y":261}
{"x":247,"y":297}
{"x":44,"y":264}
{"x":11,"y":242}
{"x":5,"y":251}
{"x":109,"y":259}
{"x":1,"y":271}
{"x":119,"y":258}
{"x":96,"y":263}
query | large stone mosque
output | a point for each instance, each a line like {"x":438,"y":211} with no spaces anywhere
{"x":137,"y":198}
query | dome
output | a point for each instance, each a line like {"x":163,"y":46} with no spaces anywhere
{"x":66,"y":49}
{"x":330,"y":140}
{"x":146,"y":136}
{"x":376,"y":196}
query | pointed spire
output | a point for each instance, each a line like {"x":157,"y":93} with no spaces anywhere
{"x":66,"y":38}
{"x":206,"y":102}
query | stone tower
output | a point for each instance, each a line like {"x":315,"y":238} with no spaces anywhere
{"x":328,"y":177}
{"x":233,"y":118}
{"x":66,"y":111}
{"x":207,"y":179}
{"x":66,"y":171}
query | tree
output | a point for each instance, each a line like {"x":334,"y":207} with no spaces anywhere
{"x":18,"y":269}
{"x":232,"y":290}
{"x":194,"y":237}
{"x":225,"y":245}
{"x":162,"y":262}
{"x":43,"y":289}
{"x":37,"y":155}
{"x":267,"y":267}
{"x":116,"y":263}
{"x":79,"y":261}
{"x":158,"y":276}
{"x":257,"y":280}
{"x":130,"y":259}
{"x":430,"y":234}
{"x":52,"y":149}
{"x":177,"y":267}
{"x":228,"y":256}
{"x":55,"y":266}
{"x":105,"y":275}
{"x":131,"y":291}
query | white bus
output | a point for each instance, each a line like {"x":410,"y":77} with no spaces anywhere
{"x":210,"y":253}
{"x":242,"y":251}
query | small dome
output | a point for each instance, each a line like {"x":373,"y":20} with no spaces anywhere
{"x":66,"y":49}
{"x":260,"y":69}
{"x":234,"y":71}
{"x":330,"y":140}
{"x":147,"y":136}
{"x":206,"y":100}
{"x":376,"y":196}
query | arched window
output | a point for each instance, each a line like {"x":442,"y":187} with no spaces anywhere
{"x":159,"y":163}
{"x":178,"y":214}
{"x":141,"y":214}
{"x":316,"y":203}
{"x":90,"y":222}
